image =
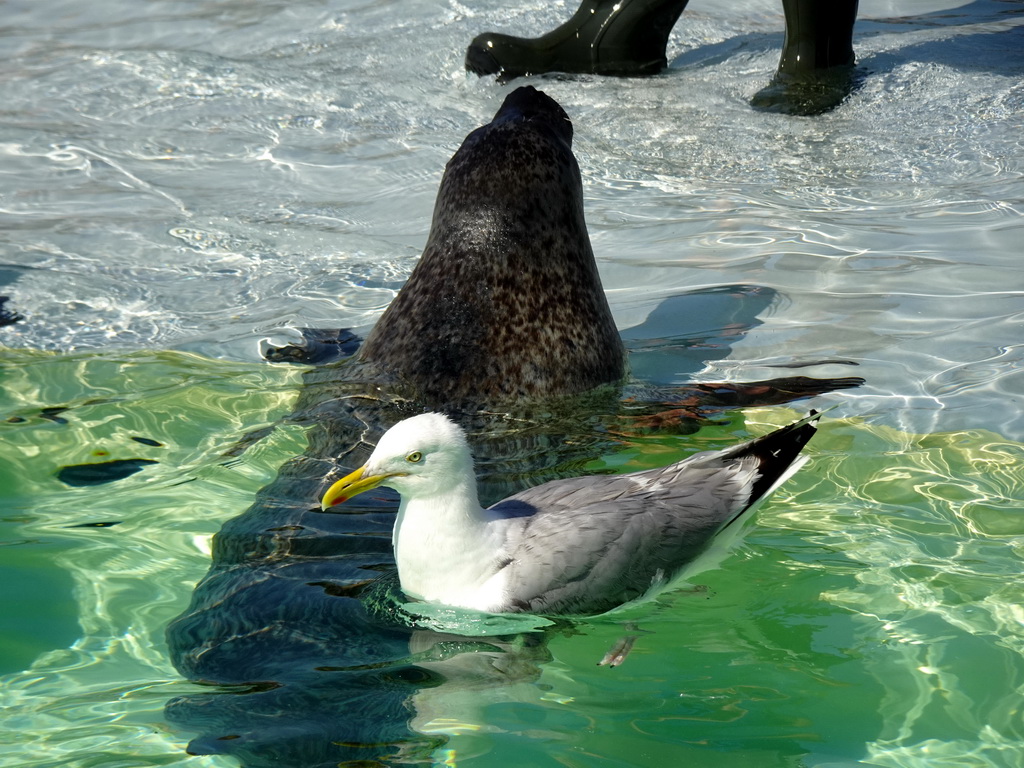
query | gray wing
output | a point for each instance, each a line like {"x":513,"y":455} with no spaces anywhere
{"x":587,"y":545}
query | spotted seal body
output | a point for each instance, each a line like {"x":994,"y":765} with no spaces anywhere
{"x":507,"y":286}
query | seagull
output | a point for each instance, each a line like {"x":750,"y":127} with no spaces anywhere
{"x":572,"y":547}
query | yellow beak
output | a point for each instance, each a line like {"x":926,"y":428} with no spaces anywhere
{"x":352,"y":485}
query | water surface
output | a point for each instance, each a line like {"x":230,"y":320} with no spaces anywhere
{"x":182,"y":181}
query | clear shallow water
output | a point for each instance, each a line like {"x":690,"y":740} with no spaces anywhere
{"x":196,"y":177}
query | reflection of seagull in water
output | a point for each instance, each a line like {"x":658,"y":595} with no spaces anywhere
{"x":581,"y":546}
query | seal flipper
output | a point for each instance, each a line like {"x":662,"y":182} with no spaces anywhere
{"x":683,"y":409}
{"x":318,"y":346}
{"x":8,"y":316}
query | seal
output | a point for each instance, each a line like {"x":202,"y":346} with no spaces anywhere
{"x":507,"y":285}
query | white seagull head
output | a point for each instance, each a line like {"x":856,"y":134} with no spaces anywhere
{"x":421,"y":457}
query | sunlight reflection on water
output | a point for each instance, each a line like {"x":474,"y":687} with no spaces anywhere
{"x":178,"y":176}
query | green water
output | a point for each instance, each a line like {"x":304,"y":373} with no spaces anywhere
{"x":873,"y":612}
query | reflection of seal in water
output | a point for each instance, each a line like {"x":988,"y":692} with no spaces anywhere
{"x":507,"y":287}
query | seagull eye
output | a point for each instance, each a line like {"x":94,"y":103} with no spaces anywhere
{"x":414,"y":457}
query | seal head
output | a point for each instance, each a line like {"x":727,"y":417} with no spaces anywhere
{"x":507,"y":286}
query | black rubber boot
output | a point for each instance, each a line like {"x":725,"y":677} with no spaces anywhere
{"x":604,"y":37}
{"x":816,"y":71}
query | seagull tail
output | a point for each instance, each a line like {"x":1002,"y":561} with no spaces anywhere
{"x":777,"y":454}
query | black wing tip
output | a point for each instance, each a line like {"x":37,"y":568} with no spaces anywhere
{"x":802,"y":430}
{"x":777,"y":450}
